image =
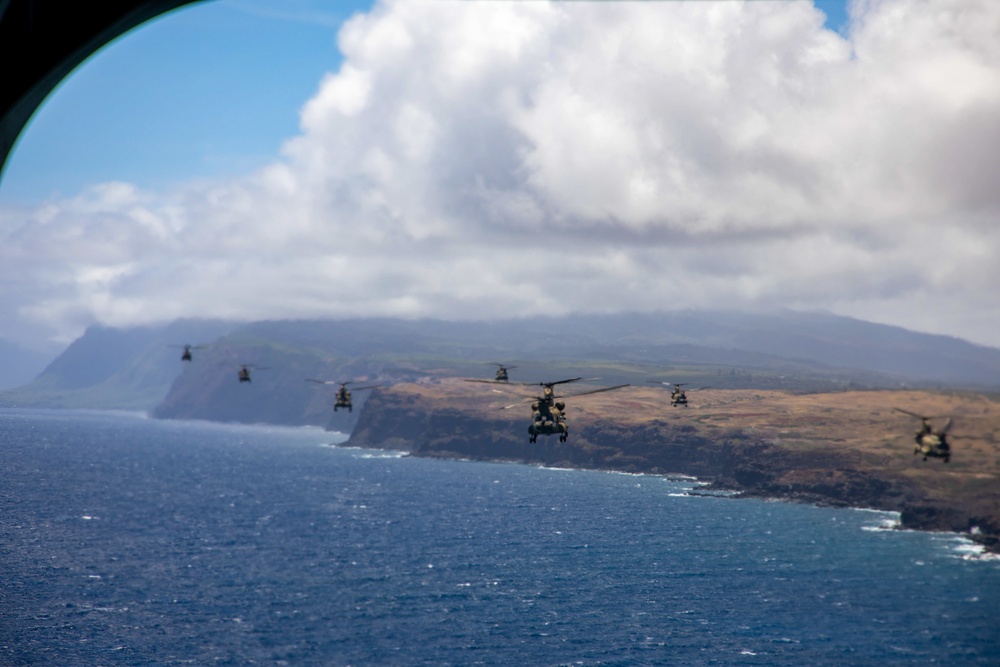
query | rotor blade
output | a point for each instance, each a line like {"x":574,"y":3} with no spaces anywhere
{"x":552,"y":384}
{"x":946,"y":426}
{"x":513,"y":393}
{"x":320,"y":381}
{"x":517,"y":405}
{"x":596,"y":391}
{"x":482,"y":381}
{"x":371,"y":386}
{"x":912,"y":414}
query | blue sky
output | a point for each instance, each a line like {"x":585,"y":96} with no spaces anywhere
{"x":265,"y":159}
{"x":207,"y":90}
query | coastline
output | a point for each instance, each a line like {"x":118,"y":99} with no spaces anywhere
{"x":787,"y":464}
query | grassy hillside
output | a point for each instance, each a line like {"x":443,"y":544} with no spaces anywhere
{"x":849,"y":447}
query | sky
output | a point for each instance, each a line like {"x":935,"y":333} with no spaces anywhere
{"x":265,"y":159}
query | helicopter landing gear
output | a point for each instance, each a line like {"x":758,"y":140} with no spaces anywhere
{"x":532,"y":439}
{"x":564,"y":437}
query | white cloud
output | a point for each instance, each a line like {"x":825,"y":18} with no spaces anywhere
{"x":482,"y":159}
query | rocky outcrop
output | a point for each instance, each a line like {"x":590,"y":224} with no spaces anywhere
{"x":733,"y":460}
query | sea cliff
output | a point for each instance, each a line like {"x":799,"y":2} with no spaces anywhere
{"x":844,"y":449}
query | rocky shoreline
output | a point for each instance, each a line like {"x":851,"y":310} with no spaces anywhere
{"x":425,"y":423}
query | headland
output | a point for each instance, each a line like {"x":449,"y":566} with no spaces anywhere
{"x":849,"y":448}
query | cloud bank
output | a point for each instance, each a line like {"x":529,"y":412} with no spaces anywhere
{"x":493,"y":159}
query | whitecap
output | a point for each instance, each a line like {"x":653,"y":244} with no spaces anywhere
{"x":966,"y":549}
{"x":884,"y":524}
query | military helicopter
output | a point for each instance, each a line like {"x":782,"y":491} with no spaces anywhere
{"x":244,"y":374}
{"x":343,"y":399}
{"x":678,"y":397}
{"x":502,"y":372}
{"x":186,"y":354}
{"x":548,"y":416}
{"x":930,"y":443}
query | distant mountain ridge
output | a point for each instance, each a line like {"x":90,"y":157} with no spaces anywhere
{"x":139,"y":368}
{"x":115,"y":368}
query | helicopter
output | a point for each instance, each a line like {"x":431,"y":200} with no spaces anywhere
{"x":930,"y":443}
{"x":186,"y":354}
{"x":502,"y":372}
{"x":244,"y":374}
{"x":343,"y":399}
{"x":500,"y":377}
{"x":678,"y":397}
{"x":548,"y":416}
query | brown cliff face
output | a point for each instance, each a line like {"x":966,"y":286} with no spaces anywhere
{"x":846,"y":449}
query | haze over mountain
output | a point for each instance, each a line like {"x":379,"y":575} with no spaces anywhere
{"x":140,"y":368}
{"x":114,"y":368}
{"x":19,"y":365}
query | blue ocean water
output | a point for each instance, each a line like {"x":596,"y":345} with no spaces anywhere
{"x":130,"y":541}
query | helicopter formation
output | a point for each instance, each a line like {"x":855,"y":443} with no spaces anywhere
{"x":548,"y":408}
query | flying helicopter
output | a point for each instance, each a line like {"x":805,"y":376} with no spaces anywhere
{"x":678,"y":397}
{"x":186,"y":354}
{"x":343,"y":399}
{"x":244,"y":374}
{"x":502,"y":372}
{"x":548,"y":414}
{"x":929,"y":442}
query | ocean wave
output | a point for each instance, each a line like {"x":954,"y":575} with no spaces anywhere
{"x":381,"y":455}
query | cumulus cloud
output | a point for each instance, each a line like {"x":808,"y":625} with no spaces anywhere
{"x":489,"y":159}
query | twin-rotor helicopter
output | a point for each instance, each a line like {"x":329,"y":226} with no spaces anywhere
{"x":678,"y":397}
{"x":548,"y":413}
{"x":930,"y":442}
{"x":187,"y":347}
{"x":244,"y":372}
{"x":343,"y":399}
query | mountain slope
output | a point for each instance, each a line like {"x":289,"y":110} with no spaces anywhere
{"x":109,"y":368}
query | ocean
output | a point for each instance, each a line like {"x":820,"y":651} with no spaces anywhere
{"x":131,"y":541}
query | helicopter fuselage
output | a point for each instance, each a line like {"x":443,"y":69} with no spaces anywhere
{"x":343,"y":401}
{"x":933,"y":445}
{"x":548,"y":418}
